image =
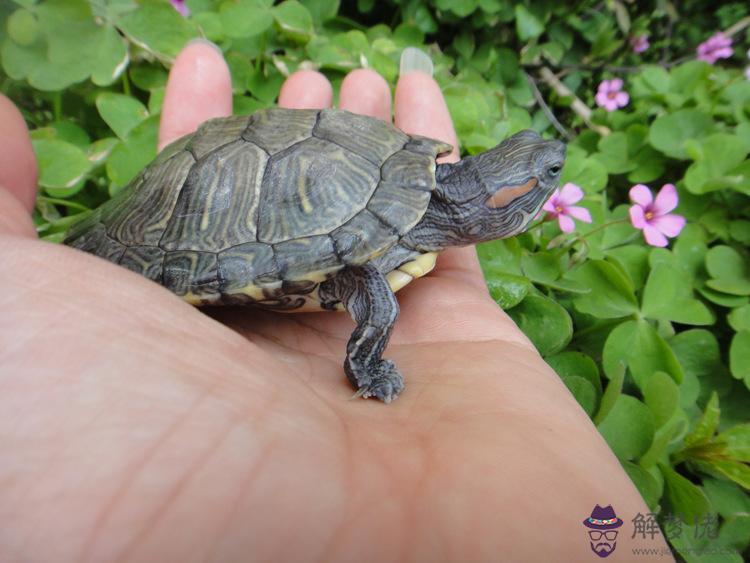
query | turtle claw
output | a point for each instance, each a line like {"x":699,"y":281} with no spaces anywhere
{"x":385,"y":384}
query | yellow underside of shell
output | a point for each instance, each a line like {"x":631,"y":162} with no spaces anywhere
{"x":397,"y":279}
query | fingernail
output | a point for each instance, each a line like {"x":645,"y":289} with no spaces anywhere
{"x":204,"y":41}
{"x":413,"y":59}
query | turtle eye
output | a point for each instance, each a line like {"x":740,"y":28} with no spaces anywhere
{"x":554,"y":170}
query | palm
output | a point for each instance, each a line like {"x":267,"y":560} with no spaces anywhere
{"x":135,"y":418}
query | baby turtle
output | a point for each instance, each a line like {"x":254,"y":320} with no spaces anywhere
{"x":303,"y":210}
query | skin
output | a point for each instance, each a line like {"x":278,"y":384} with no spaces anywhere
{"x":134,"y":427}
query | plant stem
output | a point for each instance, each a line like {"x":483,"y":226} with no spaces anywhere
{"x":57,"y":105}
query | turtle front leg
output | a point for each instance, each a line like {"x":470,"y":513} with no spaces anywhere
{"x":370,"y":301}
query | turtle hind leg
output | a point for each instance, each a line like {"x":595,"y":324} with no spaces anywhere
{"x":365,"y":293}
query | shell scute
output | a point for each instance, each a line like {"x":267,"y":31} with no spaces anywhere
{"x":372,"y":139}
{"x":362,"y":238}
{"x":191,"y":274}
{"x":276,"y":129}
{"x":218,"y":205}
{"x":311,"y":189}
{"x":144,"y":260}
{"x":141,"y":216}
{"x":246,"y":265}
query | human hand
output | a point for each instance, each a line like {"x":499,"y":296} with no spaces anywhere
{"x":135,"y":427}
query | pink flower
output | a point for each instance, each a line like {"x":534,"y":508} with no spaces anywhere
{"x":179,"y":5}
{"x":653,"y":217}
{"x":718,"y":46}
{"x":639,"y":43}
{"x":560,"y":205}
{"x":610,"y":95}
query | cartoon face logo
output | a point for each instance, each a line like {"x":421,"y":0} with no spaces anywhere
{"x":603,"y":524}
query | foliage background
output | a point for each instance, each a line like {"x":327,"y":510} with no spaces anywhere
{"x":653,"y":342}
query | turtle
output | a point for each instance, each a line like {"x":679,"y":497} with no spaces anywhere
{"x":307,"y":210}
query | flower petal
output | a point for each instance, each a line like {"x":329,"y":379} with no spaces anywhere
{"x":580,"y":213}
{"x":670,"y":225}
{"x":611,"y":104}
{"x":566,"y":224}
{"x":666,"y":200}
{"x":601,"y":99}
{"x":622,"y":99}
{"x":551,"y":204}
{"x":641,"y":195}
{"x":653,"y":236}
{"x":570,"y":194}
{"x":637,"y":217}
{"x":615,"y":84}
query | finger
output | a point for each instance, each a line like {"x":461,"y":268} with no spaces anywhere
{"x":18,"y":172}
{"x":421,"y":110}
{"x":306,"y":89}
{"x":364,"y":91}
{"x":199,"y":88}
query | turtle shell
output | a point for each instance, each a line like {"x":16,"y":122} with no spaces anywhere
{"x":268,"y":204}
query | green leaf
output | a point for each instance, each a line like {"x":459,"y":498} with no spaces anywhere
{"x":643,"y":349}
{"x":508,"y":290}
{"x":706,"y":427}
{"x":294,"y":20}
{"x":613,"y":153}
{"x":737,"y":441}
{"x":611,"y":393}
{"x":611,"y":291}
{"x":726,"y":497}
{"x":739,"y":319}
{"x":245,"y":18}
{"x":120,"y":112}
{"x":668,"y":297}
{"x":133,"y":153}
{"x":669,"y":132}
{"x":148,"y":77}
{"x":546,"y":323}
{"x":740,"y":231}
{"x":729,"y":271}
{"x":739,"y":356}
{"x":661,"y":396}
{"x":720,"y":154}
{"x":736,"y":471}
{"x":586,"y":172}
{"x":684,"y":497}
{"x":264,"y":86}
{"x":158,"y":28}
{"x":628,"y":428}
{"x":111,"y":57}
{"x":461,"y":8}
{"x":500,"y":257}
{"x":646,"y":484}
{"x":576,"y":364}
{"x":664,"y":436}
{"x":633,"y":260}
{"x":23,"y":27}
{"x":583,"y":392}
{"x":541,"y":267}
{"x":322,"y":10}
{"x":62,"y":166}
{"x":527,"y":24}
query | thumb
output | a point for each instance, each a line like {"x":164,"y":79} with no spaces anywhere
{"x":18,"y":172}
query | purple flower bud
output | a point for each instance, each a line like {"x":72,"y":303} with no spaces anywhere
{"x":718,"y":46}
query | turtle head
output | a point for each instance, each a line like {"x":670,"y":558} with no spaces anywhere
{"x":517,"y":177}
{"x":491,"y":195}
